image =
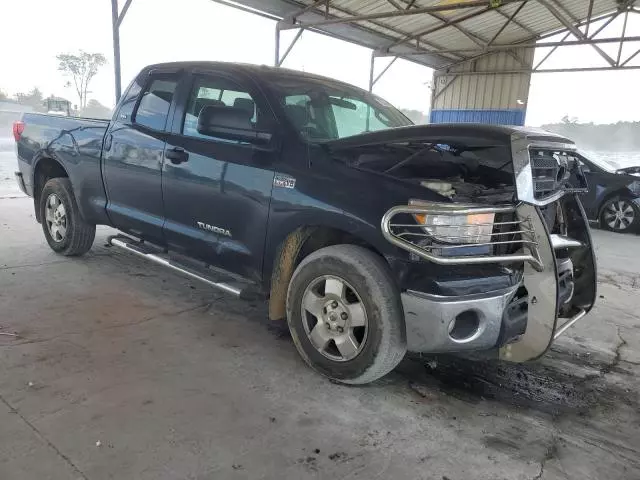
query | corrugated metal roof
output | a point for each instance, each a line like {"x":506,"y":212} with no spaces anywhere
{"x":426,"y":33}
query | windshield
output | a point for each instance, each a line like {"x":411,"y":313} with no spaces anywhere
{"x":323,"y":110}
{"x":598,"y":161}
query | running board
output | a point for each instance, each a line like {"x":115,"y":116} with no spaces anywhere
{"x":140,"y":250}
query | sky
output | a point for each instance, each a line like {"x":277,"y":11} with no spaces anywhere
{"x":169,"y":30}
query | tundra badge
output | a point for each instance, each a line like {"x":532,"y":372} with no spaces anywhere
{"x":214,"y":229}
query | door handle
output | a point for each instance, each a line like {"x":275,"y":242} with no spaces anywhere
{"x":176,"y":155}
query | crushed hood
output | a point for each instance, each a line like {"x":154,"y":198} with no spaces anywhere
{"x":452,"y":134}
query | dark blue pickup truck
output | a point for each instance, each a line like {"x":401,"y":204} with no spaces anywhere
{"x":370,"y":235}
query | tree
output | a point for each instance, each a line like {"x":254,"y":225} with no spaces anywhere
{"x":416,"y":116}
{"x":569,"y":120}
{"x":96,"y":110}
{"x":81,"y":67}
{"x":3,"y":95}
{"x":34,"y":99}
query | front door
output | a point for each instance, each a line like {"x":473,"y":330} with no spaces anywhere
{"x":133,"y":156}
{"x":217,"y":192}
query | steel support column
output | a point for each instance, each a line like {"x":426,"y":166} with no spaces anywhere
{"x":276,"y":60}
{"x":116,"y":49}
{"x":372,"y":65}
{"x":116,"y":21}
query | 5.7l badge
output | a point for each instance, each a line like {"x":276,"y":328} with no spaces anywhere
{"x":284,"y":181}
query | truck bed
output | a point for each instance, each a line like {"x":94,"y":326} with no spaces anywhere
{"x":74,"y":142}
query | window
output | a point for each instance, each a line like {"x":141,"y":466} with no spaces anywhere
{"x":323,"y":110}
{"x":353,"y":116}
{"x":221,"y":92}
{"x":155,"y":102}
{"x":129,"y":100}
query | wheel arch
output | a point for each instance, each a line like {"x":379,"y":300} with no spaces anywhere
{"x":45,"y":169}
{"x":296,"y":246}
{"x":621,"y":192}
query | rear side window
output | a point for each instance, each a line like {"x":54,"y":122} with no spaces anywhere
{"x":128,"y":102}
{"x":153,"y":108}
{"x":216,"y":91}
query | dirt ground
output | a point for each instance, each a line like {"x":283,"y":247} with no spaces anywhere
{"x":114,"y":368}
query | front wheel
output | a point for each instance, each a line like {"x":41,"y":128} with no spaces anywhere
{"x":345,"y":314}
{"x":64,"y":228}
{"x":619,"y":214}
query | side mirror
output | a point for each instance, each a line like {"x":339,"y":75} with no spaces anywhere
{"x":230,"y":123}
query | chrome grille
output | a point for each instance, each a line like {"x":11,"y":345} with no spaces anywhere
{"x":550,"y":172}
{"x":512,"y":237}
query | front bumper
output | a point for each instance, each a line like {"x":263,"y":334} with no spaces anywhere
{"x":521,"y":322}
{"x":469,"y":322}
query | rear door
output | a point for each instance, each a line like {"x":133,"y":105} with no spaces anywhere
{"x":217,"y":192}
{"x":133,"y":155}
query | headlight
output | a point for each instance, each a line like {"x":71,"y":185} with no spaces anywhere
{"x":456,"y":228}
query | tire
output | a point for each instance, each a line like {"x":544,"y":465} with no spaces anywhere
{"x":359,"y":353}
{"x":619,"y":214}
{"x":64,"y":228}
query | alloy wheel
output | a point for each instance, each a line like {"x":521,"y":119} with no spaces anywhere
{"x":334,"y":318}
{"x":618,"y":215}
{"x":56,"y":218}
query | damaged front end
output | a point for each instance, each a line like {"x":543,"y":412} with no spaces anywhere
{"x":533,"y":226}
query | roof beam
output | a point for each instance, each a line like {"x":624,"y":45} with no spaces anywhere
{"x":477,"y":39}
{"x":573,"y":29}
{"x":123,"y":13}
{"x":534,"y":37}
{"x":430,"y":30}
{"x":621,"y":8}
{"x":293,"y":16}
{"x":518,"y":23}
{"x":624,"y":32}
{"x":589,"y":14}
{"x":515,"y":56}
{"x":551,"y":52}
{"x":527,"y":71}
{"x":509,"y":20}
{"x":501,"y":48}
{"x":285,"y":24}
{"x":630,"y":58}
{"x":384,"y":70}
{"x":462,"y":5}
{"x":440,"y":92}
{"x":280,"y":59}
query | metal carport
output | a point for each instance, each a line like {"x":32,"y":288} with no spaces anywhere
{"x":481,"y":50}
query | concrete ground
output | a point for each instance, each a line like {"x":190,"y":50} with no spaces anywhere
{"x":120,"y":369}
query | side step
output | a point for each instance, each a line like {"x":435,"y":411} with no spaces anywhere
{"x":142,"y":250}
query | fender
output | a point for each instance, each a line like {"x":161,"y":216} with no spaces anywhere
{"x":82,"y":166}
{"x":286,"y":239}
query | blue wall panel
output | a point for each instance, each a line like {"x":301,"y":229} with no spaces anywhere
{"x":495,"y":117}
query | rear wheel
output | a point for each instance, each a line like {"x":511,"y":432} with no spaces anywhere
{"x":345,"y":315}
{"x":619,"y":214}
{"x":64,"y":228}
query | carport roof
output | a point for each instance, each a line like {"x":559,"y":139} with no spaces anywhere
{"x":439,"y":33}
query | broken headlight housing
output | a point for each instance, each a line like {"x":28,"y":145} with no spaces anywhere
{"x":455,"y":228}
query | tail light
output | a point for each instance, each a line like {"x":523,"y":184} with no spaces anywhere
{"x":18,"y":128}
